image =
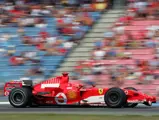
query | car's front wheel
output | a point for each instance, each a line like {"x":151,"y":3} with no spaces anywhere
{"x":20,"y":97}
{"x":115,"y":98}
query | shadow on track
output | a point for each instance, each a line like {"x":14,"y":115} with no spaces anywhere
{"x":87,"y":106}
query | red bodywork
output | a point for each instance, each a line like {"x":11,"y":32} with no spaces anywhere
{"x":59,"y":90}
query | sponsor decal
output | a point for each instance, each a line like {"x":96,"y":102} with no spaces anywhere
{"x":55,"y":85}
{"x":135,"y":101}
{"x":100,"y":90}
{"x":94,"y":99}
{"x":69,"y":87}
{"x":49,"y":102}
{"x":61,"y":98}
{"x":9,"y":88}
{"x":71,"y":94}
{"x":126,"y":92}
{"x":43,"y":93}
{"x":6,"y":93}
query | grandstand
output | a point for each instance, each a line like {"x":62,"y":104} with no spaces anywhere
{"x":112,"y":47}
{"x":120,"y":50}
{"x":36,"y":38}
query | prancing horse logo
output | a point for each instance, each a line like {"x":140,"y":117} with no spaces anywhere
{"x":100,"y":90}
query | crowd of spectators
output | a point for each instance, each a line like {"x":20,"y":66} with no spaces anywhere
{"x":129,"y":51}
{"x":70,"y":18}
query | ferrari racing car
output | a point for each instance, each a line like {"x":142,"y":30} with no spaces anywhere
{"x":59,"y":91}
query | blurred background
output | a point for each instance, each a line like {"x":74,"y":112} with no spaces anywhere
{"x":108,"y":42}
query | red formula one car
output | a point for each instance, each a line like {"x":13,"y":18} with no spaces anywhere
{"x":59,"y":91}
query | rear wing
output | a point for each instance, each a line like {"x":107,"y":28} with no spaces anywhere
{"x":15,"y":84}
{"x":10,"y":85}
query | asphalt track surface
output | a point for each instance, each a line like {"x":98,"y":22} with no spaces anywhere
{"x":141,"y":110}
{"x":96,"y":110}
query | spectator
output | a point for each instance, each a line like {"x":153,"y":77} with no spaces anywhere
{"x":99,"y":54}
{"x":98,"y":44}
{"x":152,"y":30}
{"x":21,"y":31}
{"x":119,"y":29}
{"x":111,"y":54}
{"x":98,"y":69}
{"x":51,"y":40}
{"x":40,"y":23}
{"x":141,"y":7}
{"x":26,"y":22}
{"x":44,"y":34}
{"x":30,"y":55}
{"x":17,"y":60}
{"x":154,"y":63}
{"x":114,"y":74}
{"x":124,"y":20}
{"x":5,"y":37}
{"x":87,"y":80}
{"x":35,"y":70}
{"x":11,"y":50}
{"x":27,"y":40}
{"x":109,"y":34}
{"x":68,"y":44}
{"x":3,"y":52}
{"x":157,"y":91}
{"x":75,"y":75}
{"x":150,"y":44}
{"x":149,"y":78}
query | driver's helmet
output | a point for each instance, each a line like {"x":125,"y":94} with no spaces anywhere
{"x":65,"y":74}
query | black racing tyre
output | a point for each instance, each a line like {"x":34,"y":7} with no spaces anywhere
{"x":115,"y":98}
{"x":20,"y":97}
{"x":130,"y":105}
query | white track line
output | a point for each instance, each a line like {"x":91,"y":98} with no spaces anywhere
{"x":4,"y":103}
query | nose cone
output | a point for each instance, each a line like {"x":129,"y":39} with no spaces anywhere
{"x":65,"y":74}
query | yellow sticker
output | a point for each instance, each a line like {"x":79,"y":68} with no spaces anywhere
{"x":72,"y":94}
{"x":100,"y":90}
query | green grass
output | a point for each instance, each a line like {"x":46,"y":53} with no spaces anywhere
{"x":73,"y":117}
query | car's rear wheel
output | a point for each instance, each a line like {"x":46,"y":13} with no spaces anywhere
{"x":131,"y":105}
{"x":20,"y":97}
{"x":115,"y":98}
